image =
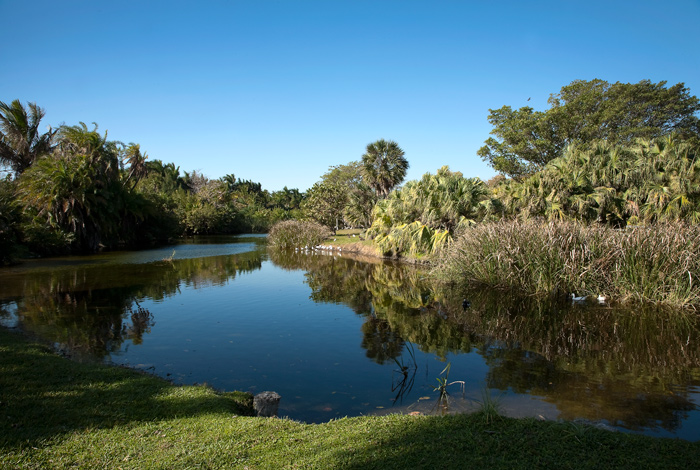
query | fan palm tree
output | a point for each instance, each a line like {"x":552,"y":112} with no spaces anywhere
{"x":384,"y":166}
{"x":21,"y":143}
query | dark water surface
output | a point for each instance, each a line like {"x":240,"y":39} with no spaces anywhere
{"x":338,"y":337}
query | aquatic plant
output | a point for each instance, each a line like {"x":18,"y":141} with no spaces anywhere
{"x":443,"y":383}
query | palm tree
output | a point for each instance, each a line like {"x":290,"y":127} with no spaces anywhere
{"x":423,"y":215}
{"x":78,"y":188}
{"x":20,"y":141}
{"x":230,"y":181}
{"x":384,"y":166}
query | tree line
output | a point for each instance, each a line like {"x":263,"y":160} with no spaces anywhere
{"x":71,"y":189}
{"x":613,"y":154}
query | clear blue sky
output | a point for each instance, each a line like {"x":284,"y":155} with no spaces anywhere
{"x":278,"y":91}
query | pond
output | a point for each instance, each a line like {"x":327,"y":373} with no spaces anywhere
{"x":343,"y":337}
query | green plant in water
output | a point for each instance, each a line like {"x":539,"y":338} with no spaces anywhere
{"x":443,"y":383}
{"x":405,"y":383}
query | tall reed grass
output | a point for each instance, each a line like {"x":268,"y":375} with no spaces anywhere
{"x":297,"y":234}
{"x":658,"y":263}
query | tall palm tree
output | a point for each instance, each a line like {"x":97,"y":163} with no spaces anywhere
{"x":20,"y":141}
{"x":384,"y":166}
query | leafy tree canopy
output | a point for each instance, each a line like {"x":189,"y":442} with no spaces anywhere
{"x":325,"y":202}
{"x":348,"y":175}
{"x":21,"y":143}
{"x":587,"y":111}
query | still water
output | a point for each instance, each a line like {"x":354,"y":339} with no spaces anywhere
{"x":342,"y":337}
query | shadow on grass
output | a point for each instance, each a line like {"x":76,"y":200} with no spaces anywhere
{"x":472,"y":441}
{"x":43,"y":395}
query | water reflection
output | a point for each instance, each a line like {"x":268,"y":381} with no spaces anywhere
{"x":637,"y":370}
{"x":633,"y":369}
{"x":89,"y":311}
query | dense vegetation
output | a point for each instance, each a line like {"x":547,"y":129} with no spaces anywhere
{"x":73,"y":190}
{"x":657,"y":264}
{"x":613,"y":155}
{"x":604,"y":156}
{"x":584,"y":112}
{"x":600,"y":194}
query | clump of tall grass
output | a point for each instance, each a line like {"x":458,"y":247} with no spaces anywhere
{"x":297,"y":234}
{"x":658,"y":264}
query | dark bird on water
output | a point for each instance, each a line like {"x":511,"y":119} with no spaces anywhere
{"x":466,"y":304}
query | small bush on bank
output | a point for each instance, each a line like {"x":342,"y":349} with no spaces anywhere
{"x":659,"y":263}
{"x":296,"y":234}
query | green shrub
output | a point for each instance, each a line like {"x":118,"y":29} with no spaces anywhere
{"x":297,"y":234}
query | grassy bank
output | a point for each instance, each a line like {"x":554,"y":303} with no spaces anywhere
{"x":55,"y":413}
{"x":658,"y":264}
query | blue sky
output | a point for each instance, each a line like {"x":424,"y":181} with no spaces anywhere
{"x":278,"y":91}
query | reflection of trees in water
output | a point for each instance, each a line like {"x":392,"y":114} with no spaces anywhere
{"x":590,"y":361}
{"x":141,"y":322}
{"x":380,"y":341}
{"x":90,"y":311}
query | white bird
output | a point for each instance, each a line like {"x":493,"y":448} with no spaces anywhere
{"x":577,"y":299}
{"x":602,"y":299}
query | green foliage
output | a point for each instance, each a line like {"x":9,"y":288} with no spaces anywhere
{"x":423,"y":215}
{"x":85,"y":192}
{"x":285,"y":199}
{"x":359,"y":207}
{"x":489,"y":408}
{"x":297,"y":234}
{"x":21,"y":144}
{"x":205,"y":209}
{"x":9,"y":222}
{"x":584,"y":112}
{"x":360,"y":197}
{"x":443,"y":383}
{"x":325,"y":203}
{"x":658,"y":264}
{"x":384,"y":166}
{"x":80,"y":192}
{"x":647,"y":181}
{"x":341,"y":198}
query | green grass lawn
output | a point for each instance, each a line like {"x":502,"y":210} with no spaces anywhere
{"x":343,"y":237}
{"x":55,"y":413}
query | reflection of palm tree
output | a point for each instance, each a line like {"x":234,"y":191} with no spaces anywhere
{"x":381,"y":343}
{"x":141,"y":322}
